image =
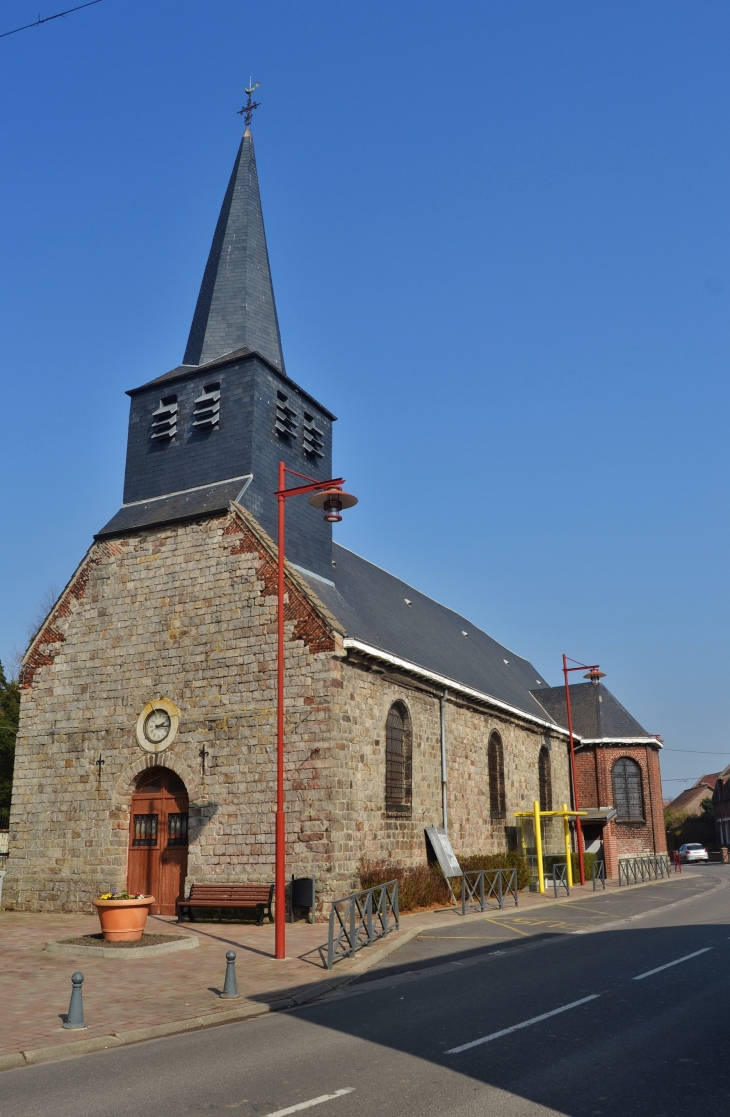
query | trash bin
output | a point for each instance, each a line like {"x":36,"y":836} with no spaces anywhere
{"x":303,"y":895}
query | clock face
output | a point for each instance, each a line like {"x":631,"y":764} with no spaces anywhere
{"x":157,"y":726}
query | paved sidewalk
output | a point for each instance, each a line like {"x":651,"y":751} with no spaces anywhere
{"x":136,"y":999}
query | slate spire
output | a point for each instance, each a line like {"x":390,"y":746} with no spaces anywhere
{"x":236,"y":302}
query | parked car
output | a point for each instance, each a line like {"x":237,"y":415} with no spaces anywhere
{"x":693,"y":851}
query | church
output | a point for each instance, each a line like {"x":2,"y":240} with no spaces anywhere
{"x":146,"y":756}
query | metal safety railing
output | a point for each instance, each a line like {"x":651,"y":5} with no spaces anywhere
{"x":637,"y":870}
{"x":560,"y":877}
{"x":598,"y":875}
{"x":482,"y":885}
{"x":360,"y":919}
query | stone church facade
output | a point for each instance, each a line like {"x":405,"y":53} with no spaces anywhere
{"x":148,"y":696}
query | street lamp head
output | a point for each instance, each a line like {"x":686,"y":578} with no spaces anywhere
{"x":595,"y":675}
{"x":332,"y":501}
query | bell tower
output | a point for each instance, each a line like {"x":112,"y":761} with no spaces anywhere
{"x":215,"y":427}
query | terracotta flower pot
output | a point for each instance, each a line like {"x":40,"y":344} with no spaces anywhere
{"x":123,"y":920}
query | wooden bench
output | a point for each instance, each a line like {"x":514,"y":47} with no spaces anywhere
{"x":252,"y":896}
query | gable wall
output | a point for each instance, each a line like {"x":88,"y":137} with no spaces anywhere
{"x":186,"y":613}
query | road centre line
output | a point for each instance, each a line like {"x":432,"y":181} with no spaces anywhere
{"x":676,"y":962}
{"x":517,"y":1027}
{"x":313,"y":1101}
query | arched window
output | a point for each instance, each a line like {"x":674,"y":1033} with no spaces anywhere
{"x":495,"y":756}
{"x":398,"y":762}
{"x":546,"y":780}
{"x":628,"y":797}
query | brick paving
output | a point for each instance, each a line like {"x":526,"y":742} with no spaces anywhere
{"x":124,"y":995}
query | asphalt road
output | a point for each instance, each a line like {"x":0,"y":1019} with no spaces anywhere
{"x":621,"y":1019}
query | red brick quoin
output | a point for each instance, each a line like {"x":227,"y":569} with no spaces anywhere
{"x":50,"y":633}
{"x":308,"y":625}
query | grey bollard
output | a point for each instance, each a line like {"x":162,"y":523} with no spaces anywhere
{"x":230,"y":989}
{"x":75,"y":1018}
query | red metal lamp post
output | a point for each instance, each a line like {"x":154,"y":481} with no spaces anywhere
{"x":328,"y":495}
{"x":594,"y":674}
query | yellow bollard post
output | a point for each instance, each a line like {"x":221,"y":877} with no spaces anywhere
{"x":538,"y":847}
{"x":568,"y":857}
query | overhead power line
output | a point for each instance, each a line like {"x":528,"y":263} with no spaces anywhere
{"x":47,"y":19}
{"x":699,"y":752}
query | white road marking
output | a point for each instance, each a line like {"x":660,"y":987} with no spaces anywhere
{"x":676,"y":962}
{"x":314,"y":1101}
{"x":524,"y":1024}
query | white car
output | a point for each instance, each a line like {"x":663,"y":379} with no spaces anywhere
{"x":693,"y":851}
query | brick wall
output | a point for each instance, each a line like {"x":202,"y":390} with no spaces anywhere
{"x":595,"y":789}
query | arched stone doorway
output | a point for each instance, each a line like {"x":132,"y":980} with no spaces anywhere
{"x":158,"y":838}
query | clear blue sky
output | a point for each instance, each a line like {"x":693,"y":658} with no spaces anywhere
{"x":499,"y":238}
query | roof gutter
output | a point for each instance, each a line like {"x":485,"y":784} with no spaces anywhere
{"x":451,"y":684}
{"x":622,"y":741}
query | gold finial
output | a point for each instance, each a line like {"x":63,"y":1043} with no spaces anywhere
{"x":248,"y":109}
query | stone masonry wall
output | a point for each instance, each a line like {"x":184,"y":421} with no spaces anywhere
{"x":359,"y":717}
{"x":186,"y":613}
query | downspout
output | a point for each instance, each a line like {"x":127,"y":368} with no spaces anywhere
{"x":651,"y":798}
{"x":444,"y":807}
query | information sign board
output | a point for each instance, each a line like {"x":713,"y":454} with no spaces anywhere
{"x":442,"y":848}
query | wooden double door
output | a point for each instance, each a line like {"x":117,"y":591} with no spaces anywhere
{"x":158,"y":839}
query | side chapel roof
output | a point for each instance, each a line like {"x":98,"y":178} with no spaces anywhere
{"x":597,"y":714}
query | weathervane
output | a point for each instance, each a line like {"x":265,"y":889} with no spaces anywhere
{"x":248,"y":109}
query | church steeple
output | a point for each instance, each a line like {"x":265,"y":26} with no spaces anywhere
{"x":236,"y":302}
{"x":214,"y":429}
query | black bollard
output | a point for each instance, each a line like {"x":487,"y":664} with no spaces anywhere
{"x":75,"y":1018}
{"x":230,"y":989}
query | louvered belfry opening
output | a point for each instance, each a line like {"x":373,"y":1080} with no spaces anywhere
{"x":546,"y":780}
{"x":497,"y":798}
{"x":398,"y":762}
{"x":628,"y":794}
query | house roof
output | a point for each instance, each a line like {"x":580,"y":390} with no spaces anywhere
{"x":388,"y":615}
{"x":693,"y":796}
{"x":597,"y":714}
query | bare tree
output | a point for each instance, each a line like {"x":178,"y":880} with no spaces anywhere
{"x":14,"y":661}
{"x":41,"y":611}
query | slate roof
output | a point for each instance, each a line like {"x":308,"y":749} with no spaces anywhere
{"x":371,"y":606}
{"x":204,"y":500}
{"x":596,"y":713}
{"x":187,"y":372}
{"x":236,"y":302}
